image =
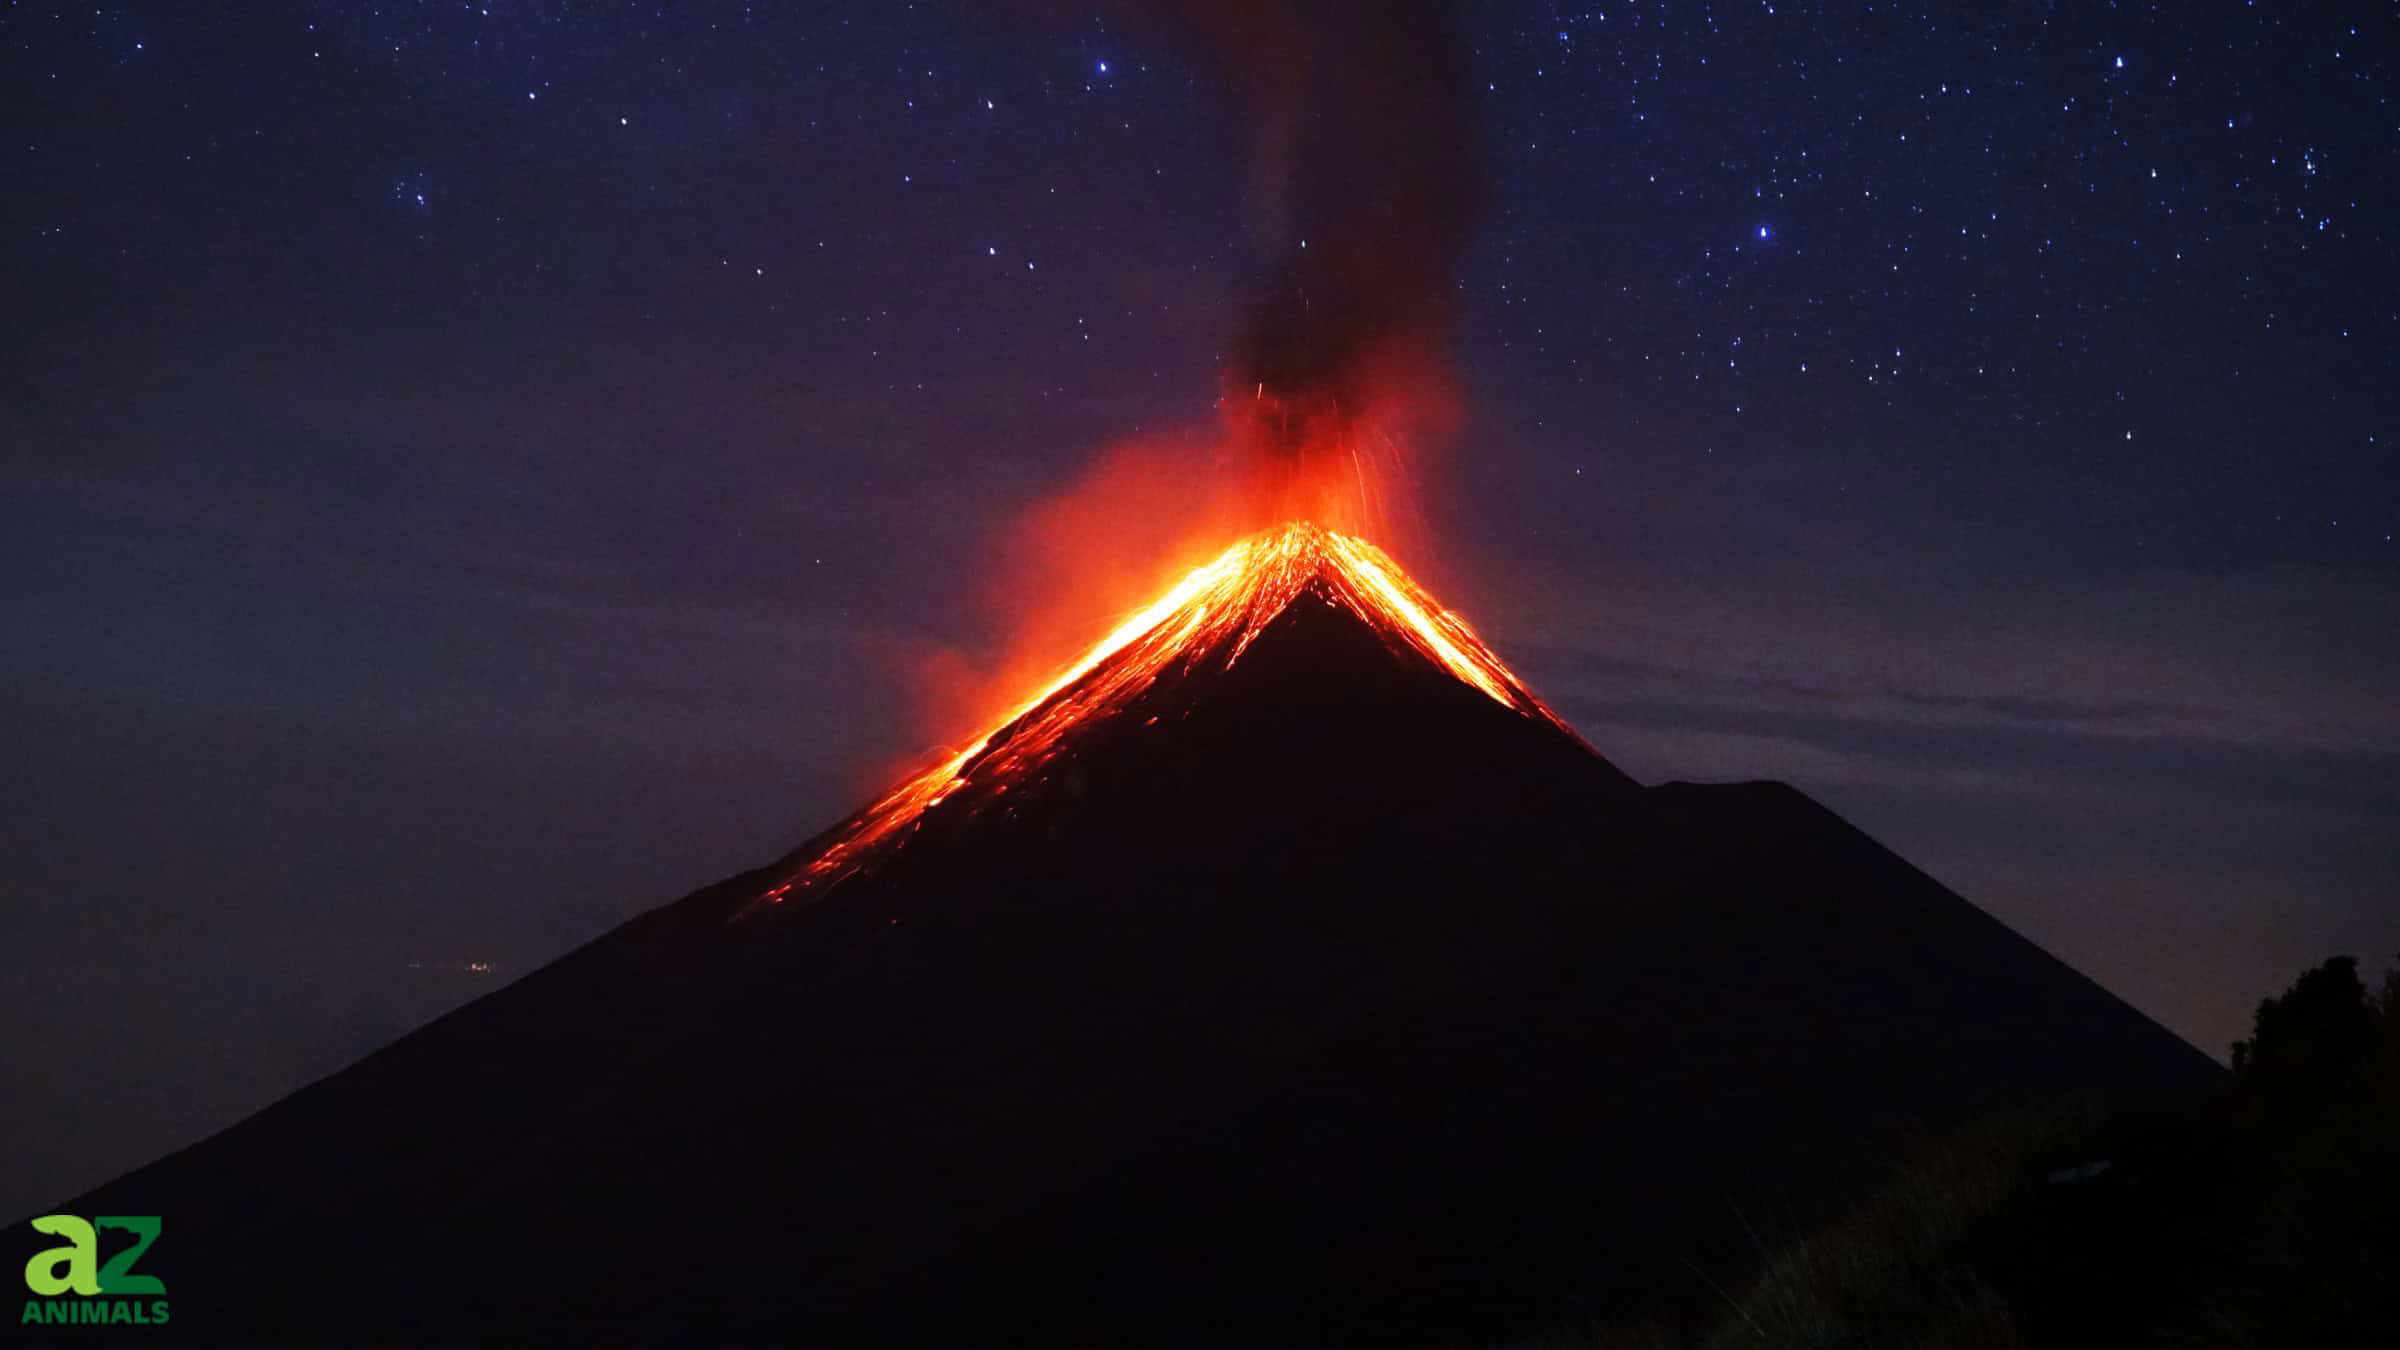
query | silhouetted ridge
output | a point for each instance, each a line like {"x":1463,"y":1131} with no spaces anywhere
{"x":1318,"y":997}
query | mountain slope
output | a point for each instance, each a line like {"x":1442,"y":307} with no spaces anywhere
{"x":1319,"y":997}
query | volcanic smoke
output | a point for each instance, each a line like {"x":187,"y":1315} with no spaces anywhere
{"x":1363,"y":187}
{"x":1364,"y":190}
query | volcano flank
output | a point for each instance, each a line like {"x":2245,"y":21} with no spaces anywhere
{"x":1148,"y":670}
{"x":1283,"y":974}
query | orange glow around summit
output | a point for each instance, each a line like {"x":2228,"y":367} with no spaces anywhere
{"x":1210,"y":616}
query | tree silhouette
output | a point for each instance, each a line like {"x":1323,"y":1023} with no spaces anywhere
{"x":2311,"y":1035}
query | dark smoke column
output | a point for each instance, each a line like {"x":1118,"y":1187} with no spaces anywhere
{"x":1364,"y":184}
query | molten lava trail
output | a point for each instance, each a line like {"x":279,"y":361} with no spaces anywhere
{"x":1214,"y":612}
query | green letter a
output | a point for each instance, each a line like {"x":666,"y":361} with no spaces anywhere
{"x":81,"y":1257}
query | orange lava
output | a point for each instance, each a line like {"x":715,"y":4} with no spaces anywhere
{"x":1213,"y":613}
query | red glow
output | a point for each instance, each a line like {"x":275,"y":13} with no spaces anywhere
{"x":1212,"y":613}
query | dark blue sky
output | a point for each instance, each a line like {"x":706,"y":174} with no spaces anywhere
{"x":475,"y":471}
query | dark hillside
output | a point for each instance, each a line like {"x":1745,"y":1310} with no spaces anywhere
{"x":1319,"y":999}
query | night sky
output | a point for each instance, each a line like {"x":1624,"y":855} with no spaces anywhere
{"x":473,"y":472}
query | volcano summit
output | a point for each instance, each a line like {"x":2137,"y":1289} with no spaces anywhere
{"x":1283,"y":974}
{"x":1145,"y":667}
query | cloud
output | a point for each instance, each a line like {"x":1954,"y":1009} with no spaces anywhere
{"x":2291,"y":660}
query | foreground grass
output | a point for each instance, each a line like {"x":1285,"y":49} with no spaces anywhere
{"x":2267,"y":1218}
{"x":1889,"y":1271}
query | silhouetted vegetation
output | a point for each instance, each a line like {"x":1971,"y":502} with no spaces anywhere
{"x":2268,"y":1217}
{"x":2312,"y":1036}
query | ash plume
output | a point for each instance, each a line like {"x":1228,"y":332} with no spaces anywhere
{"x":1364,"y":184}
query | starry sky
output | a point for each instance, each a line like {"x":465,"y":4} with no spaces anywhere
{"x":475,"y":471}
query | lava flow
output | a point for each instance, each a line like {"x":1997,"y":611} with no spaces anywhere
{"x":1211,"y":615}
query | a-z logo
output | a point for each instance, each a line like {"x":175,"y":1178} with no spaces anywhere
{"x":72,"y":1286}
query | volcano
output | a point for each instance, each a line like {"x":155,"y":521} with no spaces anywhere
{"x":1144,"y":669}
{"x":1284,"y":973}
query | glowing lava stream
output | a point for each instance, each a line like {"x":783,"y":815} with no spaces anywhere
{"x":1221,"y":605}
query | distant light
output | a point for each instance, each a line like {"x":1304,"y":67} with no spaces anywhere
{"x":2120,"y":63}
{"x":1104,"y":67}
{"x":1762,"y":231}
